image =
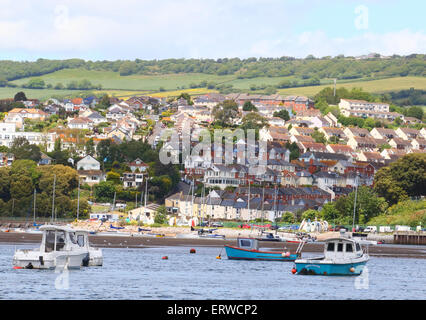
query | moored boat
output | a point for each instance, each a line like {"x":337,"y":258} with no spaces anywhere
{"x":57,"y":249}
{"x":248,"y":249}
{"x":341,"y":257}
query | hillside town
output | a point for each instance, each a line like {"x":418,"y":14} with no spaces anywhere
{"x":310,"y":158}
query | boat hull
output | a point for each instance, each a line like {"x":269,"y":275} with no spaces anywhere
{"x":24,"y":259}
{"x":235,"y":253}
{"x":330,"y":269}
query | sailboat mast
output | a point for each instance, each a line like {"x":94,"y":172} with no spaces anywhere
{"x":263,"y":201}
{"x":192,"y":199}
{"x":356,"y":193}
{"x":35,"y":199}
{"x":275,"y":203}
{"x":53,"y":196}
{"x":248,"y":204}
{"x":78,"y":198}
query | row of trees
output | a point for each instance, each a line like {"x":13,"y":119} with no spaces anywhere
{"x":308,"y":68}
{"x":38,"y":83}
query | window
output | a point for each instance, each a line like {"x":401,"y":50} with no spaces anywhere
{"x":72,"y":238}
{"x":340,"y":247}
{"x":245,"y":243}
{"x":50,"y":241}
{"x":80,"y":240}
{"x":60,"y":240}
{"x":358,"y":247}
{"x":349,"y":247}
{"x":330,"y":247}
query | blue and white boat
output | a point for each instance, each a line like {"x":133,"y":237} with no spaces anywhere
{"x":248,"y":249}
{"x":342,"y":256}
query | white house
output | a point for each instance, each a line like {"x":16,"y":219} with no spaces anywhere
{"x":88,"y":163}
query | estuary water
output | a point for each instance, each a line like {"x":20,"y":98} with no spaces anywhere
{"x":143,"y":274}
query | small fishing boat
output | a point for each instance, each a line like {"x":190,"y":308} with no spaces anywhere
{"x":248,"y":249}
{"x":57,"y":249}
{"x":341,"y":257}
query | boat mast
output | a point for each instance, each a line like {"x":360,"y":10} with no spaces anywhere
{"x":275,"y":202}
{"x":145,"y":194}
{"x":203,"y":194}
{"x":249,"y":196}
{"x":35,"y":199}
{"x":53,"y":196}
{"x":78,"y":198}
{"x":356,"y":193}
{"x":263,"y":201}
{"x":192,"y":199}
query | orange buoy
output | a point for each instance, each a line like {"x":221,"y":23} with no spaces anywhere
{"x":165,"y":258}
{"x":352,"y":269}
{"x":16,"y":267}
{"x":218,"y":257}
{"x":192,"y":250}
{"x":293,"y":271}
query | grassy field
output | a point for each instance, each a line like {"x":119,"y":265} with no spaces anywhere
{"x":113,"y":80}
{"x":36,"y":93}
{"x":375,"y":86}
{"x":174,"y":84}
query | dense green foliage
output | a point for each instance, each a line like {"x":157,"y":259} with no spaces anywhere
{"x":411,"y":213}
{"x":368,"y":205}
{"x":404,"y":178}
{"x":18,"y":182}
{"x":309,"y":70}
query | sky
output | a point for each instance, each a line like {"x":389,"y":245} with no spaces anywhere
{"x":161,"y":29}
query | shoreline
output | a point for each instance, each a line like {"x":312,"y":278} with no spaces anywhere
{"x":141,"y":242}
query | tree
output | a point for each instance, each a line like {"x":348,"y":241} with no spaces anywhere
{"x":283,"y":114}
{"x":90,"y":147}
{"x":187,"y":97}
{"x":404,"y":177}
{"x":20,"y":96}
{"x":294,"y":150}
{"x":113,"y":177}
{"x":416,"y":112}
{"x":161,"y":215}
{"x":248,"y":106}
{"x":224,"y":113}
{"x":310,"y":214}
{"x":22,"y":149}
{"x":105,"y":103}
{"x":104,"y":191}
{"x":319,"y":137}
{"x":254,"y":120}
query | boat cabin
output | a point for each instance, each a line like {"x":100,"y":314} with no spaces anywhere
{"x":56,"y":238}
{"x":81,"y":238}
{"x":340,"y":248}
{"x":248,"y":243}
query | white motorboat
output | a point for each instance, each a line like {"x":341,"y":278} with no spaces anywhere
{"x":58,"y":248}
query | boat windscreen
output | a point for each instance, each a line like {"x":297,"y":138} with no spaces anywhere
{"x":247,"y":243}
{"x":72,"y":237}
{"x":60,"y":240}
{"x":50,"y":241}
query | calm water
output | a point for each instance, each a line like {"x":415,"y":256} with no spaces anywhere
{"x":142,"y":274}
